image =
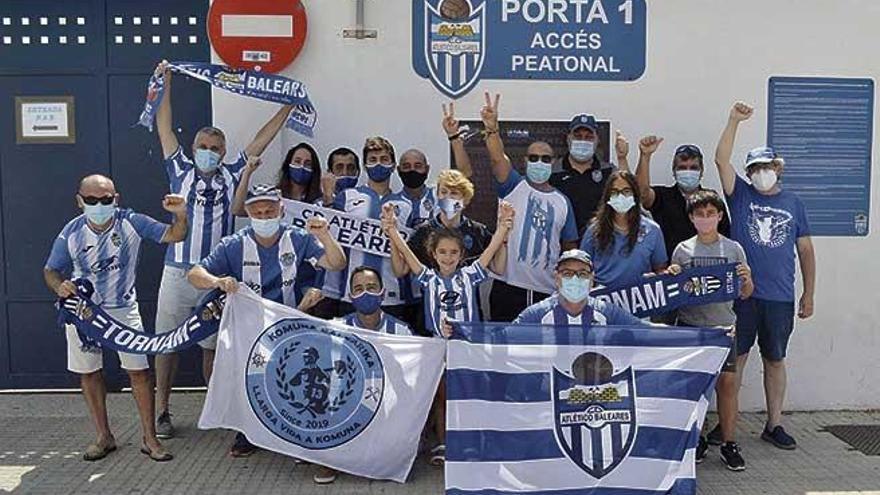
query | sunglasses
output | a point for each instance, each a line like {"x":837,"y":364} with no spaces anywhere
{"x":688,"y":149}
{"x":104,"y":200}
{"x":541,"y":158}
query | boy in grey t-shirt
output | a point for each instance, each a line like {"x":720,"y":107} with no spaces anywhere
{"x":709,"y":248}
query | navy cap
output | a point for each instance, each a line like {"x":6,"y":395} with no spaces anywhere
{"x":262,"y":192}
{"x":583,"y":120}
{"x":576,"y":255}
{"x":763,"y":154}
{"x":690,"y":150}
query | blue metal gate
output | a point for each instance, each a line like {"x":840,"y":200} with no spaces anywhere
{"x":100,"y":52}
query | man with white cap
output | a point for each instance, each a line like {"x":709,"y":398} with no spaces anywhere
{"x":266,"y":257}
{"x":771,"y":224}
{"x":572,"y":304}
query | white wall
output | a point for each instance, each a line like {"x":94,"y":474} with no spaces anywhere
{"x":701,"y":57}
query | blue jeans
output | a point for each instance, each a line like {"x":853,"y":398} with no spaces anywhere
{"x":768,"y":322}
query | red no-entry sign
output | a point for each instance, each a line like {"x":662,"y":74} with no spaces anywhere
{"x":264,"y":35}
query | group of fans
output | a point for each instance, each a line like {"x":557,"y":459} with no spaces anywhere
{"x":558,"y":235}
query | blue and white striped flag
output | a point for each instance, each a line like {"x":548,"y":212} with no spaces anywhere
{"x":563,"y":411}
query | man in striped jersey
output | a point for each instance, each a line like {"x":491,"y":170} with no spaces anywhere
{"x":572,"y":304}
{"x":102,"y":245}
{"x":413,"y":170}
{"x":208,"y":185}
{"x":266,"y":257}
{"x":367,"y":294}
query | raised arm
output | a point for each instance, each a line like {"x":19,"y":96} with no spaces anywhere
{"x":268,"y":132}
{"x":621,"y":145}
{"x":175,"y":204}
{"x":403,"y":260}
{"x":164,"y":123}
{"x":494,"y":257}
{"x":807,"y":260}
{"x":647,"y":146}
{"x":451,"y":127}
{"x":500,"y":163}
{"x":334,"y":257}
{"x":738,"y":113}
{"x":253,"y":163}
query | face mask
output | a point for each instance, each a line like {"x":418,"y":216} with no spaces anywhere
{"x":266,"y":228}
{"x":299,"y":175}
{"x":450,"y":207}
{"x":688,"y":179}
{"x":99,"y":214}
{"x":764,"y":180}
{"x":413,"y":179}
{"x":622,"y":203}
{"x":379,"y":172}
{"x":575,"y":289}
{"x":345,"y":182}
{"x":367,"y":303}
{"x":582,"y":150}
{"x":206,"y":160}
{"x":706,"y":225}
{"x":538,"y":172}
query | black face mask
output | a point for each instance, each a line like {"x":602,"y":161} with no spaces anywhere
{"x":413,"y":179}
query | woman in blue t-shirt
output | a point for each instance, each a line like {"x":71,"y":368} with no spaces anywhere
{"x":624,"y":244}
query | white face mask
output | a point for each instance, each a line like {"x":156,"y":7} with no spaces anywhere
{"x":764,"y":180}
{"x":266,"y":227}
{"x":582,"y":150}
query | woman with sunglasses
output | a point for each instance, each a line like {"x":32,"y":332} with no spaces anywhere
{"x":623,"y":243}
{"x":545,"y":228}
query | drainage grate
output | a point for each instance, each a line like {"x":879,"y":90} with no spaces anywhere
{"x":864,"y":438}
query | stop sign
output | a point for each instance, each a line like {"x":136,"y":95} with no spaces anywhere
{"x":264,"y":35}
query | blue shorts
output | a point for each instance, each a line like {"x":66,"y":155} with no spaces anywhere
{"x":768,"y":322}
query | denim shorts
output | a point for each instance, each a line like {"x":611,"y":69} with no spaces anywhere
{"x":768,"y":322}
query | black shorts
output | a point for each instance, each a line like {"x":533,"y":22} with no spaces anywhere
{"x":506,"y":301}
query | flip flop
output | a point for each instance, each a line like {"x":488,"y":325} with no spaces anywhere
{"x":161,"y":457}
{"x":95,"y":452}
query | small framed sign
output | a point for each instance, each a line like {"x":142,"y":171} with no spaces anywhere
{"x":45,"y":120}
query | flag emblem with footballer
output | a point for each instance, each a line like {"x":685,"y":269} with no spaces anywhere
{"x":312,"y":385}
{"x":594,"y":413}
{"x":455,"y":44}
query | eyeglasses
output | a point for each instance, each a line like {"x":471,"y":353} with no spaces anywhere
{"x":104,"y":200}
{"x":541,"y":158}
{"x":625,"y":191}
{"x":581,"y":274}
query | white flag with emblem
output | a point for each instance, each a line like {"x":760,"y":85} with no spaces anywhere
{"x":354,"y":400}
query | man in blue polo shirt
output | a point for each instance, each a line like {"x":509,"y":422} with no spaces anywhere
{"x":572,"y":304}
{"x":266,"y":257}
{"x":771,"y":224}
{"x":208,"y":184}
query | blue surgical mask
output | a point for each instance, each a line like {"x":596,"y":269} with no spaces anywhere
{"x":299,"y":175}
{"x":622,"y":203}
{"x":688,"y":179}
{"x":206,"y":160}
{"x":450,"y":207}
{"x":367,"y":302}
{"x":575,"y":289}
{"x":99,"y":214}
{"x":582,"y":150}
{"x":538,"y":172}
{"x":345,"y":182}
{"x":266,"y":228}
{"x":379,"y":172}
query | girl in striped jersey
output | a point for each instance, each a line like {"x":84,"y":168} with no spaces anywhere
{"x":450,"y":291}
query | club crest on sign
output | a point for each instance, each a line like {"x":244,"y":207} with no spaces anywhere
{"x":594,"y":413}
{"x":455,"y":44}
{"x":312,"y":385}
